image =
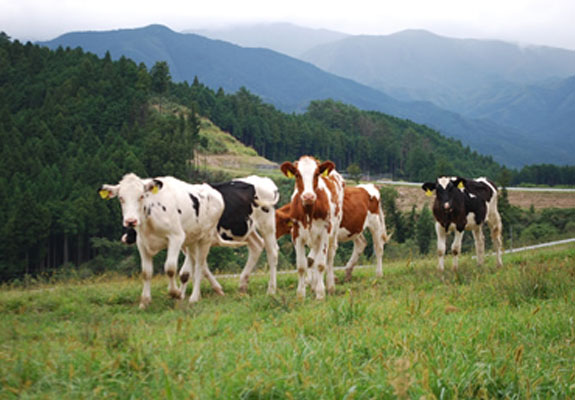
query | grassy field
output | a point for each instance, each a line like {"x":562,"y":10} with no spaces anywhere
{"x":480,"y":333}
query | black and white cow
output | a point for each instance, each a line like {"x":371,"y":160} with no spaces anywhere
{"x":249,"y":217}
{"x":166,"y":213}
{"x":465,"y":204}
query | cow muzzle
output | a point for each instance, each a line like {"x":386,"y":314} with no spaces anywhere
{"x":308,"y":198}
{"x":447,"y":206}
{"x":130,"y":222}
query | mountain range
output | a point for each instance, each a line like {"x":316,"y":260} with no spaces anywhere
{"x":290,"y":83}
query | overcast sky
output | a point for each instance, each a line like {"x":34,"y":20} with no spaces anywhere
{"x":540,"y":22}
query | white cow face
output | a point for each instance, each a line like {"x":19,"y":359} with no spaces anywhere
{"x":306,"y":172}
{"x":131,"y":191}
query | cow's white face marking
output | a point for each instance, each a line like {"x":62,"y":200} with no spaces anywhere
{"x":131,"y":196}
{"x":307,"y":168}
{"x":444,"y":181}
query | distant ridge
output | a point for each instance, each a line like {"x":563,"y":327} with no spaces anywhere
{"x":291,"y":84}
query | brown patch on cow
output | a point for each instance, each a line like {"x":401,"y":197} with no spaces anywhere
{"x":321,"y":268}
{"x":146,"y":275}
{"x":333,"y":186}
{"x":355,"y":206}
{"x":171,"y":273}
{"x":184,"y":277}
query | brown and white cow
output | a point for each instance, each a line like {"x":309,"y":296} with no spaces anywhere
{"x":166,"y":213}
{"x":316,"y":210}
{"x":361,"y":211}
{"x":465,"y":204}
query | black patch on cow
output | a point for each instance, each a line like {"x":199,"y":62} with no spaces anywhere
{"x":131,"y":235}
{"x":196,"y":204}
{"x":238,"y":200}
{"x":163,"y":208}
{"x":265,"y":209}
{"x":179,"y":211}
{"x":225,"y":236}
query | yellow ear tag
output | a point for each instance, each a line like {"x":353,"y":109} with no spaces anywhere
{"x":289,"y":174}
{"x":290,"y":223}
{"x":155,"y":189}
{"x":104,"y":194}
{"x":428,"y":193}
{"x":325,"y":173}
{"x":460,"y":186}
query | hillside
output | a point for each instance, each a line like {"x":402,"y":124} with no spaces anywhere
{"x":291,"y":84}
{"x":483,"y":332}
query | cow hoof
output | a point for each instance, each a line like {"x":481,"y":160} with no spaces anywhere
{"x":243,"y":289}
{"x":219,"y":291}
{"x":175,"y":294}
{"x":145,"y":302}
{"x":331,"y":291}
{"x":271,"y":291}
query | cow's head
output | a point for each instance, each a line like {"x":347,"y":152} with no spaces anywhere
{"x":131,"y":192}
{"x":446,"y":188}
{"x":284,"y":222}
{"x":306,"y":172}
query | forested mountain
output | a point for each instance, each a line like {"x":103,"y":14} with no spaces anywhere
{"x":291,"y":84}
{"x":285,"y":38}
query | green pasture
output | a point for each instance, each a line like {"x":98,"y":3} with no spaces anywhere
{"x":479,"y":333}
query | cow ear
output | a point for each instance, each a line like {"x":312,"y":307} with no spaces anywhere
{"x":154,"y":186}
{"x":459,"y":183}
{"x":428,"y":187}
{"x":108,"y":192}
{"x":288,"y":169}
{"x":326,"y":167}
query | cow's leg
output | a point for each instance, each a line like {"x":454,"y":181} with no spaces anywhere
{"x":201,"y":251}
{"x":310,"y":275}
{"x":147,"y":272}
{"x":359,"y":243}
{"x":330,"y":277}
{"x":319,"y":267}
{"x":378,"y":244}
{"x":272,"y":251}
{"x":213,"y":281}
{"x":479,"y":240}
{"x":441,"y":245}
{"x":171,"y":265}
{"x":301,"y":265}
{"x":255,"y":247}
{"x":186,"y":272}
{"x":456,"y":248}
{"x":496,"y":228}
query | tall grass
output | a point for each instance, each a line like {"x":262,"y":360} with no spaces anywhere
{"x":478,"y":333}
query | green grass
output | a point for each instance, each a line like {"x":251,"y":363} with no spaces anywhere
{"x":479,"y":333}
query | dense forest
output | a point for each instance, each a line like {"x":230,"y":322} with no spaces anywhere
{"x":70,"y":121}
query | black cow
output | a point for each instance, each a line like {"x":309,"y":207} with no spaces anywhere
{"x":465,"y":204}
{"x":249,"y":212}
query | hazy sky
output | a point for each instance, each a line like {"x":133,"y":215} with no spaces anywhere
{"x":542,"y":22}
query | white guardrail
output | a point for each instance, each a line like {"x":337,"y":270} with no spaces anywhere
{"x":517,"y":250}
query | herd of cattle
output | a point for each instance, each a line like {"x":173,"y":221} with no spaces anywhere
{"x":167,"y":213}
